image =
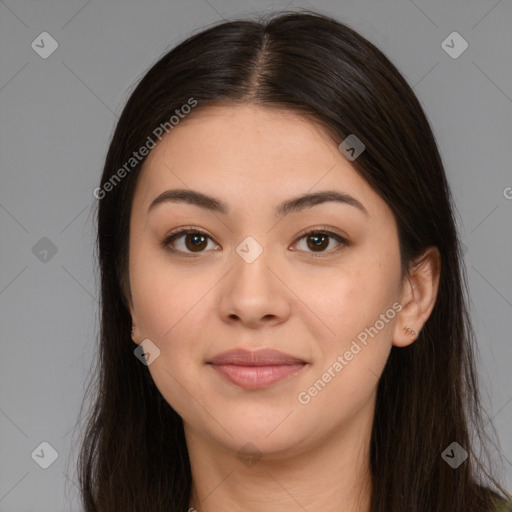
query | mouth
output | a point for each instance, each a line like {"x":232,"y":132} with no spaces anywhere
{"x":256,"y":370}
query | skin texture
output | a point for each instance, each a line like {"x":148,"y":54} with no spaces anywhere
{"x":195,"y":305}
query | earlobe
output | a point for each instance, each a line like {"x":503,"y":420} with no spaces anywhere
{"x":408,"y":330}
{"x":135,"y":336}
{"x":419,"y":294}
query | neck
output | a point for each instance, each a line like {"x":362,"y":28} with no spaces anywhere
{"x":331,"y":475}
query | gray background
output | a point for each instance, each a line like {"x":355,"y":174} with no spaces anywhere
{"x":57,"y":115}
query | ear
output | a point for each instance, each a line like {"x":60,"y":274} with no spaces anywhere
{"x":136,"y":337}
{"x":135,"y":333}
{"x":418,"y":296}
{"x":127,"y":297}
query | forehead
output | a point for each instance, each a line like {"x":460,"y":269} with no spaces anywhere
{"x":239,"y":133}
{"x":250,"y":154}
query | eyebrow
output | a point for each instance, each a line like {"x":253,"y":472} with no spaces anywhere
{"x":286,"y":207}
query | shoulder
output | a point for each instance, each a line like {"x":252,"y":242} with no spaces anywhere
{"x":502,"y":505}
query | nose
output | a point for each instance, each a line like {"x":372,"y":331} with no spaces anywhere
{"x":254,"y":294}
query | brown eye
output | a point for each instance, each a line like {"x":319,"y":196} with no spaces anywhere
{"x":318,"y":241}
{"x":194,"y":241}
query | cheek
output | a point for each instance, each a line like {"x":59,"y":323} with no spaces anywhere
{"x":359,"y":311}
{"x":354,"y":299}
{"x":172,"y":311}
{"x":162,"y":295}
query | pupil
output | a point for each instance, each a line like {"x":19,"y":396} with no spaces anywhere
{"x":317,"y":243}
{"x":196,"y":243}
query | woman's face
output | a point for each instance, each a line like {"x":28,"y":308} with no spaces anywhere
{"x":251,"y":280}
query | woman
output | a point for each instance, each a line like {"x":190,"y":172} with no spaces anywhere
{"x":283,"y":318}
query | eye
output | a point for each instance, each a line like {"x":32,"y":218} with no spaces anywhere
{"x":318,"y":240}
{"x":196,"y":241}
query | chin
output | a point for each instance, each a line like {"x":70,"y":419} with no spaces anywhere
{"x":258,"y":444}
{"x":261,"y":430}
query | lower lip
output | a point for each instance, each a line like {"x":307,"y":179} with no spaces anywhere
{"x":257,"y":377}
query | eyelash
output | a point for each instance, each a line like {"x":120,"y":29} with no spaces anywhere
{"x":171,"y":237}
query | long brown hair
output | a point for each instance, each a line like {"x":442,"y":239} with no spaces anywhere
{"x":133,"y":454}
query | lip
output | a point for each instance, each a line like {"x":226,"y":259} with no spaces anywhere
{"x":255,"y":369}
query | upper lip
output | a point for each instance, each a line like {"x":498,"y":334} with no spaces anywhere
{"x":262,"y":357}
